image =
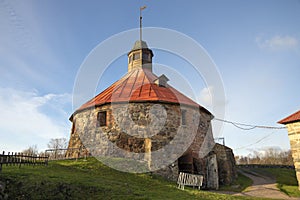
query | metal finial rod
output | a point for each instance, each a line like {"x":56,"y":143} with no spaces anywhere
{"x":141,"y":8}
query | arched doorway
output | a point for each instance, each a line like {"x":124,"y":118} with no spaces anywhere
{"x":186,"y":164}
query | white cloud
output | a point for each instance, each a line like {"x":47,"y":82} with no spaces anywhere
{"x":27,"y":116}
{"x":278,"y":42}
{"x":205,"y":97}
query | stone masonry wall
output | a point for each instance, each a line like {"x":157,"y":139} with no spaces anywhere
{"x":130,"y":125}
{"x":294,"y":136}
{"x":226,"y":164}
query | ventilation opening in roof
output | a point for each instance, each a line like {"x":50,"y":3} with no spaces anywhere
{"x":161,"y":81}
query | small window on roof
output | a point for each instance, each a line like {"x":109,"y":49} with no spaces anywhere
{"x":146,"y":57}
{"x":101,"y":118}
{"x":136,"y":56}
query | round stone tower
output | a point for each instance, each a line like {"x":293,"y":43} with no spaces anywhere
{"x":142,"y":117}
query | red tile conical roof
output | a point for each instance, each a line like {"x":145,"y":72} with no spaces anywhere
{"x":138,"y":86}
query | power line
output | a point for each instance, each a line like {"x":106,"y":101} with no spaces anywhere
{"x":258,"y":141}
{"x":248,"y":127}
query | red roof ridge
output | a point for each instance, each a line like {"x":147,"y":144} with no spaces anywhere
{"x":151,"y":81}
{"x":292,"y":118}
{"x":131,"y":88}
{"x":143,"y":86}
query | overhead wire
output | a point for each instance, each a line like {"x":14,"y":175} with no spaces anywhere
{"x":247,"y":127}
{"x":258,"y":141}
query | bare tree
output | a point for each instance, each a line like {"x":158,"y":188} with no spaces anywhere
{"x":31,"y":150}
{"x":270,"y":156}
{"x":56,"y":144}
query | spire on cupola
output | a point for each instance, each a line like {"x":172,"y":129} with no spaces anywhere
{"x":140,"y":55}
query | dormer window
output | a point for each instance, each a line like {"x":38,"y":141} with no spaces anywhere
{"x":161,"y":81}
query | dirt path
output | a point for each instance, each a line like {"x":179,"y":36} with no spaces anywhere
{"x":263,"y":186}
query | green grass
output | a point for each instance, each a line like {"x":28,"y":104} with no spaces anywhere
{"x":238,"y":185}
{"x":91,"y":180}
{"x":285,"y":178}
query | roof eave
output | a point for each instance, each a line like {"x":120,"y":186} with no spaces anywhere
{"x":295,"y":117}
{"x":287,"y":122}
{"x":143,"y":101}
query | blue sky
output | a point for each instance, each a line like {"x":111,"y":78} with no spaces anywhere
{"x":254,"y":44}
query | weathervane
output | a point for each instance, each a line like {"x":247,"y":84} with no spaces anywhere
{"x":141,"y":8}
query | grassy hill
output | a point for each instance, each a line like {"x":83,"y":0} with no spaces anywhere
{"x":70,"y":179}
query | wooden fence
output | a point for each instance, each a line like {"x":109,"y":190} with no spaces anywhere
{"x":22,"y":159}
{"x":67,"y":153}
